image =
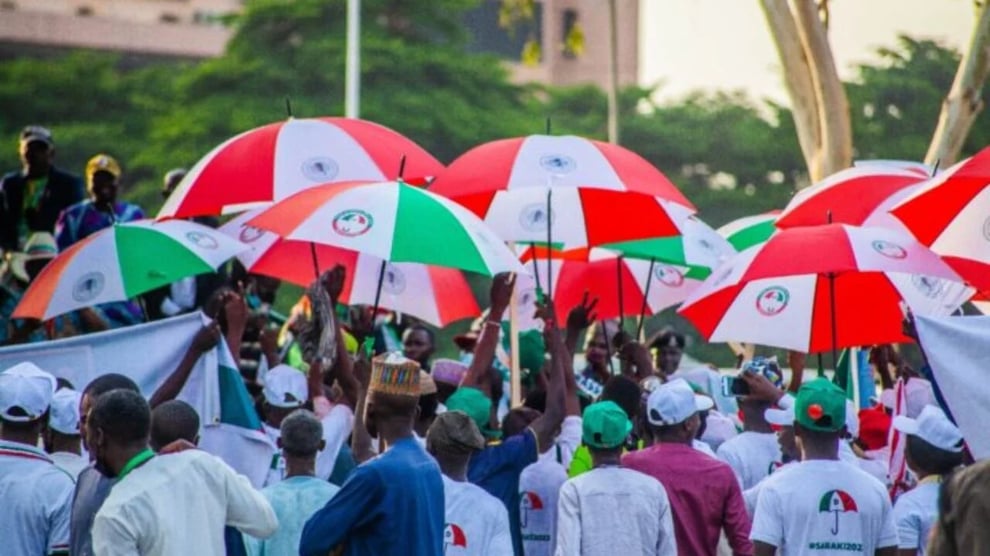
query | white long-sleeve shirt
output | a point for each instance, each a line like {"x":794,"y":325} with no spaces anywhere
{"x":611,"y":510}
{"x":178,"y":505}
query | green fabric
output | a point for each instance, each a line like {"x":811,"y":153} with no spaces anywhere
{"x":444,"y":242}
{"x":668,"y":250}
{"x":604,"y":425}
{"x":818,"y":400}
{"x":841,"y":376}
{"x":149,"y":259}
{"x":236,"y":407}
{"x":581,"y":461}
{"x":752,"y":235}
{"x":476,"y":405}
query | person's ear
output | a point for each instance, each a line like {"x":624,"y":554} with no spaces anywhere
{"x":196,"y":440}
{"x":323,"y":445}
{"x":278,"y":442}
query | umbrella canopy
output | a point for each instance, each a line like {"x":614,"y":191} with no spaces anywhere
{"x":949,"y":213}
{"x":274,"y":161}
{"x":848,"y":196}
{"x":698,"y":247}
{"x":603,"y":274}
{"x":542,"y":161}
{"x":784,"y":293}
{"x":433,"y":294}
{"x":123,"y":261}
{"x":748,"y":231}
{"x":392,"y":221}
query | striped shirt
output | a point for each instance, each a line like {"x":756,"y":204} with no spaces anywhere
{"x":37,"y":499}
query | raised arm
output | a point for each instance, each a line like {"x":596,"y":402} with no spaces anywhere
{"x":545,"y":427}
{"x":205,"y":339}
{"x":500,"y":295}
{"x":580,"y":318}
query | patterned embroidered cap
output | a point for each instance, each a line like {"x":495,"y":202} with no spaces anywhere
{"x":391,"y":373}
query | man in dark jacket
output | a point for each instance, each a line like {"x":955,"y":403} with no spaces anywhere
{"x":32,"y":198}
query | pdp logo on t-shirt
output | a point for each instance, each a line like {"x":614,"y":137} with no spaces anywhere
{"x":528,"y":502}
{"x":453,"y":535}
{"x":837,"y":502}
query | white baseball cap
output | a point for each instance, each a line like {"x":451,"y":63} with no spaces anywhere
{"x":780,"y":417}
{"x":64,"y":416}
{"x":286,"y":387}
{"x":28,"y":388}
{"x":933,"y":427}
{"x":674,"y":402}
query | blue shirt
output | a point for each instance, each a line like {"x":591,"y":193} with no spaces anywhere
{"x":390,"y":505}
{"x":497,"y":468}
{"x":294,"y":500}
{"x":92,"y":488}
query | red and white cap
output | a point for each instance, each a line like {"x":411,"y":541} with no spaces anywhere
{"x":25,"y":392}
{"x":932,"y":426}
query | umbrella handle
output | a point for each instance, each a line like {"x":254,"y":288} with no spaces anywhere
{"x":646,"y":295}
{"x":369,"y":346}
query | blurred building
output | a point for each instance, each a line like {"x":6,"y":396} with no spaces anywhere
{"x":193,"y":29}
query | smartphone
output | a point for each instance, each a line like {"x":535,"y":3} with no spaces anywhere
{"x":734,"y":386}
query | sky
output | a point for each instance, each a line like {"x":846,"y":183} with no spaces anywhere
{"x":725,"y":44}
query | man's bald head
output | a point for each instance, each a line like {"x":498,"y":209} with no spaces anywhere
{"x":171,"y":421}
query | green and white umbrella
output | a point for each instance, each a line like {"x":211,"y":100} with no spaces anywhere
{"x":393,"y":221}
{"x":122,"y":262}
{"x":748,"y":231}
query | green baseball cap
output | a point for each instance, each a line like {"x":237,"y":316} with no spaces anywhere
{"x":604,"y":425}
{"x":477,"y":405}
{"x":820,"y":406}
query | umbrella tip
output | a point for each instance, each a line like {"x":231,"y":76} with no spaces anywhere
{"x":548,"y":125}
{"x":288,"y":107}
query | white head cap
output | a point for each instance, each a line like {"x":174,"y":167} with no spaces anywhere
{"x":286,"y":387}
{"x":933,"y":427}
{"x":26,"y":388}
{"x":674,"y":402}
{"x":64,"y":416}
{"x":780,"y":417}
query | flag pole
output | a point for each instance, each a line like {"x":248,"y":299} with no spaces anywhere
{"x":515,"y":374}
{"x":352,"y":76}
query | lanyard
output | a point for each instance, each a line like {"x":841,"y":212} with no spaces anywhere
{"x":136,"y":461}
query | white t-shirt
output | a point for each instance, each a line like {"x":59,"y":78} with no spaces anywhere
{"x":35,"y":501}
{"x":542,"y":481}
{"x":337,"y":425}
{"x":824,"y":507}
{"x":179,"y":504}
{"x":877,"y":468}
{"x":73,"y":464}
{"x":477,"y":523}
{"x":702,"y":447}
{"x":719,"y":428}
{"x":915,"y":512}
{"x":751,"y":495}
{"x":611,"y":510}
{"x":751,"y":455}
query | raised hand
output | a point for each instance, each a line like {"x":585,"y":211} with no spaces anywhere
{"x":500,"y":294}
{"x":582,"y":316}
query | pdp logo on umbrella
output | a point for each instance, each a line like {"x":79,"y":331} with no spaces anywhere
{"x":535,"y":217}
{"x":837,"y":502}
{"x":352,"y":223}
{"x":772,"y":301}
{"x":394,"y":281}
{"x":668,"y":276}
{"x":453,"y":536}
{"x":529,"y":502}
{"x":88,"y":286}
{"x":986,"y":229}
{"x":203,"y":241}
{"x":250,"y":234}
{"x":888,"y":249}
{"x":558,"y":163}
{"x":320,"y":169}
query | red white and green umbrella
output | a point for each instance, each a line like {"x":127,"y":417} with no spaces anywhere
{"x":571,"y":191}
{"x":392,"y":221}
{"x":748,"y":231}
{"x":434,"y":294}
{"x":951,"y":214}
{"x":697,"y":246}
{"x":848,"y":196}
{"x":821,"y":288}
{"x":272,"y":162}
{"x":122,"y":262}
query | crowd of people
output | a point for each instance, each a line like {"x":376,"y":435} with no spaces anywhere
{"x":635,"y":451}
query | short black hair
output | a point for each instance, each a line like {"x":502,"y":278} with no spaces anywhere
{"x":123,"y":415}
{"x":428,"y":404}
{"x":517,"y":419}
{"x":173,"y":420}
{"x":818,"y":437}
{"x":665,"y":337}
{"x":425,"y":330}
{"x":301,"y":434}
{"x":625,"y":393}
{"x":110,"y":381}
{"x":931,"y":459}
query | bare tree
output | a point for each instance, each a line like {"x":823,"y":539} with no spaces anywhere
{"x":963,"y":103}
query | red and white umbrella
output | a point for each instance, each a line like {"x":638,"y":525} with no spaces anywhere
{"x":272,"y":162}
{"x":849,"y":196}
{"x":588,"y":193}
{"x":785,"y":292}
{"x":433,"y":294}
{"x":602,"y":274}
{"x":951,"y":214}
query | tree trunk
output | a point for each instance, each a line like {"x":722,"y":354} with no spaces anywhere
{"x":818,"y":99}
{"x":963,"y":103}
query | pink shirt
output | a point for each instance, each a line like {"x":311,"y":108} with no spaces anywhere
{"x":704,"y":496}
